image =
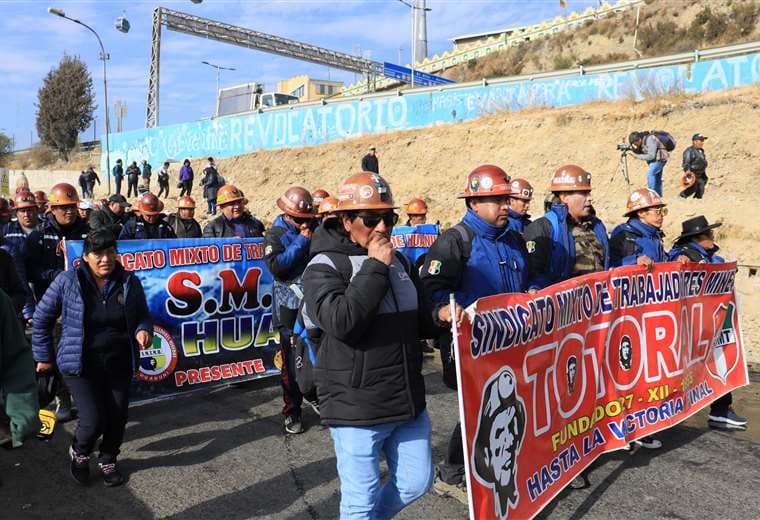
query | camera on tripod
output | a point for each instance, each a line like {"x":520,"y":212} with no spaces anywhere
{"x":624,"y":147}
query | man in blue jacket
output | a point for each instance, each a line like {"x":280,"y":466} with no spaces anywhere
{"x":568,"y":240}
{"x":13,"y":240}
{"x":521,"y":193}
{"x":286,"y":255}
{"x":478,"y":257}
{"x":697,"y":244}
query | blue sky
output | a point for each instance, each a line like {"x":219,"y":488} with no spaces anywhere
{"x":34,"y":41}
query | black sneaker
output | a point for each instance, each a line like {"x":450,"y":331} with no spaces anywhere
{"x":649,"y":442}
{"x":80,"y":467}
{"x":728,"y":420}
{"x":111,"y":475}
{"x":293,"y":425}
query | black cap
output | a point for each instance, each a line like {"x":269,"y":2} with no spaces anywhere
{"x":698,"y":137}
{"x":119,"y":199}
{"x":696,"y":226}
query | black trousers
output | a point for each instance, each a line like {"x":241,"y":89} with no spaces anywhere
{"x":291,"y":394}
{"x":721,"y":405}
{"x":187,"y":187}
{"x":698,"y":188}
{"x":102,"y":401}
{"x":452,"y":468}
{"x":164,"y":188}
{"x":131,"y":185}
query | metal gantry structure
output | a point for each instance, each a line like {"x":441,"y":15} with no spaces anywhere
{"x":242,"y":37}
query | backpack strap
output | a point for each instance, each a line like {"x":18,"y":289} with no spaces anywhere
{"x":466,"y":234}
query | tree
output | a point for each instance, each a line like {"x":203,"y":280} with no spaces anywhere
{"x":6,"y":147}
{"x":65,"y":105}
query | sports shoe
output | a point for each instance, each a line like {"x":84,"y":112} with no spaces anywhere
{"x":456,"y":491}
{"x":63,"y":411}
{"x":111,"y":475}
{"x":314,"y":405}
{"x":727,"y":419}
{"x":648,"y":442}
{"x":293,"y":425}
{"x":80,"y":467}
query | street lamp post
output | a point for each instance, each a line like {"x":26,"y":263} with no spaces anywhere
{"x":413,"y":6}
{"x":218,"y":68}
{"x":103,"y":56}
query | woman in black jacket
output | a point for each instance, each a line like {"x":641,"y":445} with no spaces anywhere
{"x":104,"y":321}
{"x":364,"y":299}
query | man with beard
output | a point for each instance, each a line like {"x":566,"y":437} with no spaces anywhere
{"x":626,"y":353}
{"x":497,"y":442}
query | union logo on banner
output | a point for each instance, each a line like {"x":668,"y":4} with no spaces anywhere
{"x":550,"y":381}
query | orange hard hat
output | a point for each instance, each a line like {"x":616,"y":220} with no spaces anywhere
{"x":329,"y":205}
{"x":571,"y":178}
{"x":5,"y":207}
{"x":365,"y":190}
{"x":318,"y":196}
{"x":520,"y":189}
{"x":228,"y":193}
{"x":25,"y":199}
{"x":643,"y":199}
{"x":62,"y":194}
{"x":486,"y":180}
{"x":416,"y":206}
{"x":149,"y":204}
{"x":185,"y":202}
{"x":297,"y":202}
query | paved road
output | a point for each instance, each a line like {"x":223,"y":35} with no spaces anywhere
{"x":221,"y":455}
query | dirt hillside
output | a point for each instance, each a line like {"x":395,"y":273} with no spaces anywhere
{"x":433,"y":162}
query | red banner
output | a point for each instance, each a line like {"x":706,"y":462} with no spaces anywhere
{"x":550,"y":381}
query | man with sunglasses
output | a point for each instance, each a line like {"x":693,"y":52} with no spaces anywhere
{"x":286,"y":255}
{"x":44,"y":256}
{"x":639,"y":241}
{"x":234,"y":221}
{"x":697,"y":244}
{"x":478,"y":257}
{"x":363,"y":297}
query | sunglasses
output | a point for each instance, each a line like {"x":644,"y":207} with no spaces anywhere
{"x":372,"y":220}
{"x":302,"y":220}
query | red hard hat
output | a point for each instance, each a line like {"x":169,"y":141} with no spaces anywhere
{"x":521,"y":189}
{"x":329,"y":205}
{"x":185,"y":202}
{"x":365,"y":190}
{"x":62,"y":194}
{"x":643,"y":199}
{"x":571,"y":178}
{"x":297,"y":202}
{"x":486,"y":180}
{"x":416,"y":206}
{"x":318,"y":196}
{"x":25,"y":199}
{"x":40,"y":197}
{"x":149,"y":204}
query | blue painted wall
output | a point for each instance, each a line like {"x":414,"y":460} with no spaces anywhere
{"x":311,"y":125}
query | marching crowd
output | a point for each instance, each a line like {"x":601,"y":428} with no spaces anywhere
{"x":338,"y":282}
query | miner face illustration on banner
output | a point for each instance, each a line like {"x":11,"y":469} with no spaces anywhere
{"x":497,"y":442}
{"x":626,"y":352}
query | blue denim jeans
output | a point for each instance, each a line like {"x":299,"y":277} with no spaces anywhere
{"x":654,"y":176}
{"x":406,"y":446}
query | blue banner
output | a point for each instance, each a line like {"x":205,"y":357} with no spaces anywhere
{"x":211,"y":303}
{"x":312,"y":124}
{"x":414,"y":241}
